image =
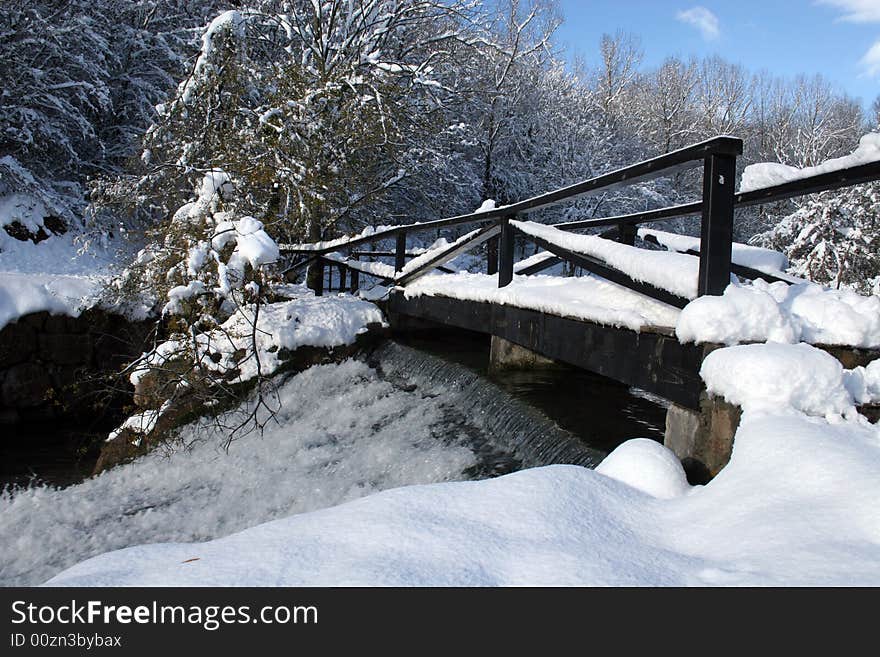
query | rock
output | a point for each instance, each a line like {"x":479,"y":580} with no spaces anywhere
{"x":20,"y":232}
{"x":56,"y":225}
{"x":17,"y":342}
{"x":26,"y":385}
{"x":36,"y":320}
{"x":130,"y":443}
{"x":65,"y":348}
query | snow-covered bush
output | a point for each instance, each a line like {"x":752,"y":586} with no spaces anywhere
{"x":208,"y":273}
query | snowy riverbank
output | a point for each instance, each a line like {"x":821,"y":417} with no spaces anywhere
{"x":344,"y":431}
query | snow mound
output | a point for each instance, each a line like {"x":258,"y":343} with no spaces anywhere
{"x":25,"y":209}
{"x":863,"y":383}
{"x":778,"y":312}
{"x":770,"y":174}
{"x":778,"y":377}
{"x":62,"y":275}
{"x":648,"y":466}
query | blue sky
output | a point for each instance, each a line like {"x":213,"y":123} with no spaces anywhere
{"x":838,"y":38}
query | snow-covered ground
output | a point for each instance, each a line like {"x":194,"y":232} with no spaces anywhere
{"x":797,"y":505}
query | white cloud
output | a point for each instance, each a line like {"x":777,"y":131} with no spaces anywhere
{"x":856,"y":11}
{"x":702,"y":19}
{"x":871,"y":61}
{"x":861,"y":11}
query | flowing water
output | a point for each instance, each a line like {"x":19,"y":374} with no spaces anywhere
{"x":594,"y":411}
{"x":534,"y":417}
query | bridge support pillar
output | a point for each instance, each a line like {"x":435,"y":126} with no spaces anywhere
{"x":703,"y":439}
{"x":506,"y":355}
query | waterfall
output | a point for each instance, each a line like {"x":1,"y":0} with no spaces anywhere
{"x":504,"y":432}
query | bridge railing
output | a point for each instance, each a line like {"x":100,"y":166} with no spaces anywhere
{"x":716,"y":209}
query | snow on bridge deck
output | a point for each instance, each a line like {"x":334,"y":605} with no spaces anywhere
{"x":588,"y":298}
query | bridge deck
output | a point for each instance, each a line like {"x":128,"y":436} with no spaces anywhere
{"x":650,"y":358}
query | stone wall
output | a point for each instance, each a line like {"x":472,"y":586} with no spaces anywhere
{"x":54,"y":366}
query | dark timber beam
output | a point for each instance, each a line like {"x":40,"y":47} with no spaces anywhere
{"x":822,"y":182}
{"x":505,"y":256}
{"x":550,"y":261}
{"x":400,"y":251}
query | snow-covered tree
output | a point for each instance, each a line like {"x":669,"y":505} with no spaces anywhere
{"x":621,"y":58}
{"x":317,"y":110}
{"x":208,"y":271}
{"x":55,"y":88}
{"x":505,"y":71}
{"x":834,"y":239}
{"x":79,"y":83}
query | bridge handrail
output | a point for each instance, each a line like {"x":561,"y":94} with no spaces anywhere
{"x":648,"y":169}
{"x":717,"y":207}
{"x":822,"y":182}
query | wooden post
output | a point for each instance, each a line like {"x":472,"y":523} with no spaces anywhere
{"x":316,"y":276}
{"x":355,"y":276}
{"x":342,"y":269}
{"x":716,"y":232}
{"x":400,"y":251}
{"x":505,"y":255}
{"x":626,"y":234}
{"x":492,"y":256}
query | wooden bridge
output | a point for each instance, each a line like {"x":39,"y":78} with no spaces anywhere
{"x":648,"y":355}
